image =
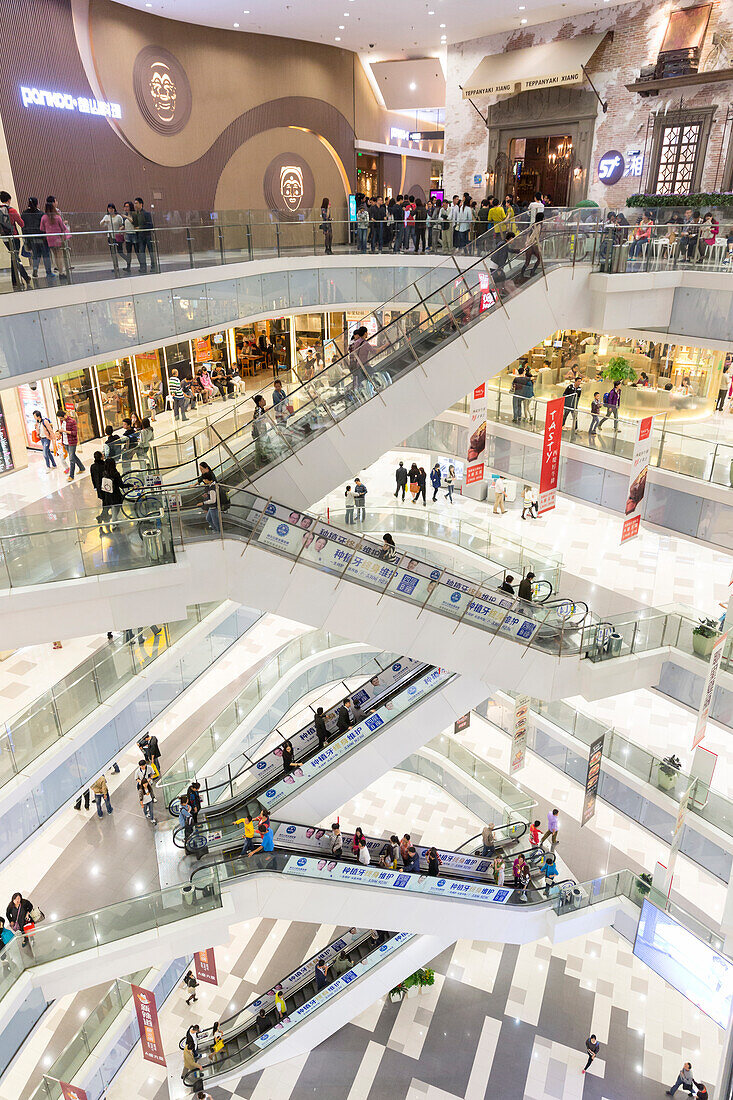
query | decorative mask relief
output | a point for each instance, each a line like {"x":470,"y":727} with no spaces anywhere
{"x":162,"y":90}
{"x":288,"y":185}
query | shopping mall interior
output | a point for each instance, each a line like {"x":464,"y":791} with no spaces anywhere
{"x":366,"y":552}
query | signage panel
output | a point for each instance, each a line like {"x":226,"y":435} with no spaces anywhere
{"x":475,"y":471}
{"x":637,"y":478}
{"x":551,"y":455}
{"x":147,"y":1018}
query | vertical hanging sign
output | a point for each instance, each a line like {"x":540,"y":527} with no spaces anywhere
{"x":677,"y":834}
{"x":475,"y":470}
{"x":550,"y":455}
{"x":591,"y":780}
{"x":707,"y":692}
{"x":205,"y":964}
{"x":519,"y":733}
{"x":72,"y":1092}
{"x":147,"y":1018}
{"x":488,"y":296}
{"x":637,"y":479}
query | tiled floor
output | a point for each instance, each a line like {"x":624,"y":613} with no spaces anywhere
{"x":654,"y":569}
{"x":30,"y":671}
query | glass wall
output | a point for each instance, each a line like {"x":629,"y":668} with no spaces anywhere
{"x":116,"y":391}
{"x":679,"y":382}
{"x":75,"y":393}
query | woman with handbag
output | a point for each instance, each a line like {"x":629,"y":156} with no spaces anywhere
{"x":190,"y":986}
{"x":114,"y":223}
{"x":217,"y":1045}
{"x":57,"y":232}
{"x":22,"y":915}
{"x":44,"y":434}
{"x":111,"y":492}
{"x":326,"y":226}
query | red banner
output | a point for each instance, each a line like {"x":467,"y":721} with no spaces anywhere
{"x":550,"y":455}
{"x":477,"y":436}
{"x":147,"y":1018}
{"x":637,"y":478}
{"x":205,"y":963}
{"x":488,"y":297}
{"x":71,"y":1092}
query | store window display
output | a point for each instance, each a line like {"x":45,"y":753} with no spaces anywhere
{"x":75,"y":393}
{"x":116,"y":390}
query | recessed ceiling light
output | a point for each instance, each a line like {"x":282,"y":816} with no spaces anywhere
{"x":235,"y":24}
{"x":522,"y":21}
{"x":148,"y":5}
{"x":337,"y":39}
{"x":413,"y":86}
{"x":431,"y":13}
{"x":342,"y":27}
{"x":442,"y":25}
{"x":522,"y":7}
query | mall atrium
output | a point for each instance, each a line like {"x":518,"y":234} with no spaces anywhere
{"x":366,"y":549}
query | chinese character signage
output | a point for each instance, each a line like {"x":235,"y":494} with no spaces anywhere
{"x":591,"y":780}
{"x":519,"y":735}
{"x":462,"y":723}
{"x":678,"y":826}
{"x":477,"y":436}
{"x":637,"y":479}
{"x":62,"y":101}
{"x":72,"y":1092}
{"x":550,"y":455}
{"x":707,"y":692}
{"x":205,"y":964}
{"x":147,"y":1018}
{"x":488,"y":297}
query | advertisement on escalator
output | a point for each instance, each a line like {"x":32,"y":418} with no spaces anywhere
{"x":476,"y":468}
{"x":637,"y":479}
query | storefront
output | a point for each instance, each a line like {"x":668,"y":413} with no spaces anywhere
{"x":681,"y":382}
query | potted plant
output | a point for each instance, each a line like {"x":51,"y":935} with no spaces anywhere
{"x":643,"y":884}
{"x":425,"y":978}
{"x":618,"y":369}
{"x":704,"y":637}
{"x":396,"y":994}
{"x":667,"y":772}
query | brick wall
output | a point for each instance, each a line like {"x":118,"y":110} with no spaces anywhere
{"x":638,"y":30}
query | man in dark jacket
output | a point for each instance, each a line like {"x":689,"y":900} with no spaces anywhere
{"x":377,"y":216}
{"x":525,"y":588}
{"x":321,"y":732}
{"x":344,"y":716}
{"x":400,"y":476}
{"x":143,"y":222}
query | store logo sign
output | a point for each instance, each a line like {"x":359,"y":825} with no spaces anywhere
{"x":291,"y":186}
{"x":611,"y":167}
{"x":162,"y":90}
{"x":62,"y":101}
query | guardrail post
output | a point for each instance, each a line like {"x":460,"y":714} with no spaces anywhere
{"x":249,"y":241}
{"x":277,"y":237}
{"x":220,"y":238}
{"x":315,"y":240}
{"x":67,"y":261}
{"x":189,"y":242}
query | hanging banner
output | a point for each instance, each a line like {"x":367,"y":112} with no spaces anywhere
{"x":637,"y":479}
{"x":462,"y":723}
{"x":519,"y":736}
{"x":591,"y":780}
{"x":678,"y":826}
{"x":477,"y":436}
{"x":147,"y":1018}
{"x":707,"y":692}
{"x":202,"y":349}
{"x":550,"y":455}
{"x":205,"y":964}
{"x":72,"y":1092}
{"x":488,"y":296}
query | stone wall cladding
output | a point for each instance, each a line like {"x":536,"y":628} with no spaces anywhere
{"x":638,"y":32}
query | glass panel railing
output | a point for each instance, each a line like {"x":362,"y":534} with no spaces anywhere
{"x":51,"y":716}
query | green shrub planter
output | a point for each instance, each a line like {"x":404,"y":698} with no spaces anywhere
{"x":723,"y":200}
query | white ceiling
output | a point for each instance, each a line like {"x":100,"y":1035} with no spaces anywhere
{"x":380,"y":29}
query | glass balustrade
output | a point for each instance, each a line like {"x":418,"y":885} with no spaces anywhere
{"x":92,"y":682}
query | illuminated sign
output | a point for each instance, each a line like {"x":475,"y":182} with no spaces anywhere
{"x":62,"y":101}
{"x":634,"y":162}
{"x":162,"y":90}
{"x":395,"y":134}
{"x":291,"y":186}
{"x":610,"y":167}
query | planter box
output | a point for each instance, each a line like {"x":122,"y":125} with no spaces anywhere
{"x":666,"y":782}
{"x":703,"y":647}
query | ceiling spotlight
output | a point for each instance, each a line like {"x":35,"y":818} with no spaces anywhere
{"x":148,"y":5}
{"x":522,"y":21}
{"x":342,"y":27}
{"x":235,"y":24}
{"x":413,"y":86}
{"x":431,"y":13}
{"x":442,"y":25}
{"x":522,"y":7}
{"x":337,"y":39}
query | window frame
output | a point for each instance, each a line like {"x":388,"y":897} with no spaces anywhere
{"x":703,"y":117}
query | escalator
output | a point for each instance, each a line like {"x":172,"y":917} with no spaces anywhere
{"x":264,"y":784}
{"x":305,"y":852}
{"x":430,"y":314}
{"x":259,"y":1024}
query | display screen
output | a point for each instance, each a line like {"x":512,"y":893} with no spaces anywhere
{"x":352,"y":208}
{"x":437,"y":193}
{"x":688,"y":964}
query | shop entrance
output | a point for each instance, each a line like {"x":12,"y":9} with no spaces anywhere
{"x":543,"y":164}
{"x":367,"y":175}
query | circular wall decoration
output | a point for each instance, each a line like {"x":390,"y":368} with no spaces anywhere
{"x":288,"y":186}
{"x":162,"y":90}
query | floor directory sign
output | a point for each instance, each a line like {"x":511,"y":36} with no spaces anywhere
{"x":637,"y":479}
{"x":591,"y":779}
{"x":147,"y":1018}
{"x":551,"y":455}
{"x":475,"y":471}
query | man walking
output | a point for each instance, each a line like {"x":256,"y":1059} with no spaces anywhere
{"x":360,"y":492}
{"x":612,"y":400}
{"x":435,"y":480}
{"x":400,"y":476}
{"x":684,"y":1078}
{"x":179,"y":398}
{"x":70,"y":439}
{"x":552,"y":826}
{"x":143,"y":222}
{"x":320,"y":725}
{"x":592,"y":1046}
{"x":100,"y":792}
